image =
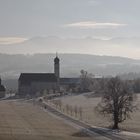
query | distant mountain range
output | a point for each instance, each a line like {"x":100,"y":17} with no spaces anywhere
{"x":126,"y":47}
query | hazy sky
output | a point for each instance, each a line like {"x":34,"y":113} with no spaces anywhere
{"x":104,"y":19}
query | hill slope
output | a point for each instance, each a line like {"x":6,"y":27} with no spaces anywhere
{"x":71,"y":64}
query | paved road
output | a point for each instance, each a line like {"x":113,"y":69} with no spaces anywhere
{"x":87,"y":127}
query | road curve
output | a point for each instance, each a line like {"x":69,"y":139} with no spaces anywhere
{"x":87,"y":127}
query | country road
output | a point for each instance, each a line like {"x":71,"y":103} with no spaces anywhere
{"x":93,"y":131}
{"x":25,"y":120}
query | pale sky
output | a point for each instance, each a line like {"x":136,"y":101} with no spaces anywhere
{"x":103,"y":19}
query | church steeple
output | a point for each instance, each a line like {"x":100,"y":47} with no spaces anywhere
{"x":56,"y":59}
{"x":57,"y":69}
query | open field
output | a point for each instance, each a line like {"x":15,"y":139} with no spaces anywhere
{"x":92,"y":117}
{"x":20,"y":120}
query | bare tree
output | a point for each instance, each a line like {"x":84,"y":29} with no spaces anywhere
{"x":76,"y":111}
{"x":71,"y":110}
{"x":85,"y":81}
{"x":117,"y":101}
{"x":67,"y":108}
{"x":80,"y":112}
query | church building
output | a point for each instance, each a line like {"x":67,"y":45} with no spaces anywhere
{"x":34,"y":83}
{"x":31,"y":83}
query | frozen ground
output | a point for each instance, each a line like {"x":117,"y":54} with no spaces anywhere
{"x":20,"y":120}
{"x":92,"y":117}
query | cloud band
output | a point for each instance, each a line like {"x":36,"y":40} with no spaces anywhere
{"x":11,"y":40}
{"x":94,"y":25}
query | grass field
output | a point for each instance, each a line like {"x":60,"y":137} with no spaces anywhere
{"x":24,"y":121}
{"x":92,"y":117}
{"x":21,"y":120}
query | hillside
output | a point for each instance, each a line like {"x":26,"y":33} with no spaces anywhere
{"x":70,"y":65}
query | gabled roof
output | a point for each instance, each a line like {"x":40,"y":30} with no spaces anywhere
{"x":27,"y":78}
